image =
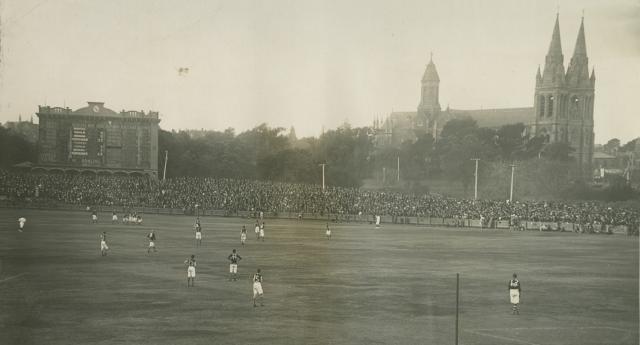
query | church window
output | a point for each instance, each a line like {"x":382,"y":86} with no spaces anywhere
{"x":550,"y":105}
{"x":541,"y":106}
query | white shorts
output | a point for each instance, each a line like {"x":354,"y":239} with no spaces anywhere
{"x":21,"y":225}
{"x":257,"y":230}
{"x":114,"y":218}
{"x":515,"y":296}
{"x":94,"y":217}
{"x":233,"y":268}
{"x":257,"y":289}
{"x":261,"y":233}
{"x":103,"y":245}
{"x":191,"y":272}
{"x":152,"y":244}
{"x":243,"y":237}
{"x":328,"y":232}
{"x":198,"y":235}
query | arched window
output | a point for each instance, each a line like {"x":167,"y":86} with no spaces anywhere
{"x":540,"y":105}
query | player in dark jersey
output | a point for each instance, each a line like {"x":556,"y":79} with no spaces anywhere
{"x":191,"y":270}
{"x":198,"y":235}
{"x":94,"y":216}
{"x":233,"y":258}
{"x":152,"y":241}
{"x":514,"y":293}
{"x":257,"y":287}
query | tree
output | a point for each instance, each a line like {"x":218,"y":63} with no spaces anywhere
{"x":612,"y":146}
{"x":558,"y":151}
{"x":15,"y":148}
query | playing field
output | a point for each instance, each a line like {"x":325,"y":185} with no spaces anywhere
{"x":393,"y":285}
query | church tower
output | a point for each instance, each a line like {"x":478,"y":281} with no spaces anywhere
{"x":580,"y":88}
{"x":563,"y":102}
{"x":429,"y":107}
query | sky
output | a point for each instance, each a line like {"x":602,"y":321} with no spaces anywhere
{"x":307,"y":64}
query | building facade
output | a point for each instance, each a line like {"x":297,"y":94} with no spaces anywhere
{"x":98,"y":139}
{"x":562,"y":110}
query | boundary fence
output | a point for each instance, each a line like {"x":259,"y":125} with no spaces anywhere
{"x":348,"y":218}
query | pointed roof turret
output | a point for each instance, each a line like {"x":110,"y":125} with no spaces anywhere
{"x":538,"y":76}
{"x":430,"y":73}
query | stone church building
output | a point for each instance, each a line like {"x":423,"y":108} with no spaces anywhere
{"x":562,"y":108}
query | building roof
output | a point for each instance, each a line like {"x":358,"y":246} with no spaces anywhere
{"x":603,"y":155}
{"x":430,"y":73}
{"x":496,"y":117}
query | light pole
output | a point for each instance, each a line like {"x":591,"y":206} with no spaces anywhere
{"x":166,"y":157}
{"x":475,"y":191}
{"x":322,"y":165}
{"x":398,"y":179}
{"x":513,"y":169}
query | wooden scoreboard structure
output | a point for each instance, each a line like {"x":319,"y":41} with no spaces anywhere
{"x":98,"y":139}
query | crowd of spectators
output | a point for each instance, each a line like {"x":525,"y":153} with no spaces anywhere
{"x":247,"y":195}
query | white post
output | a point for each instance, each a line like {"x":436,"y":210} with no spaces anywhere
{"x":322,"y":165}
{"x":398,"y":169}
{"x":475,"y":191}
{"x":513,"y":168}
{"x":166,"y":157}
{"x":384,"y":175}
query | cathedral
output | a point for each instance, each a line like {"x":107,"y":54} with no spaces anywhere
{"x":562,"y":108}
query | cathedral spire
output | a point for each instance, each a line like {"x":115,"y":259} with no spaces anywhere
{"x":555,"y":48}
{"x":581,"y":45}
{"x":553,"y":74}
{"x":578,"y":70}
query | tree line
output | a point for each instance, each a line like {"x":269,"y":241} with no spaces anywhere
{"x":544,"y":170}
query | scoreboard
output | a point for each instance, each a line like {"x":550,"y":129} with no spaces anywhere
{"x":98,"y":138}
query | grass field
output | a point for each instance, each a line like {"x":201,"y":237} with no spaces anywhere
{"x":394,"y":285}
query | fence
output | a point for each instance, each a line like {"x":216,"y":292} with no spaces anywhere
{"x":386,"y":219}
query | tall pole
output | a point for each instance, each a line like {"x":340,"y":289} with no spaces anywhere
{"x":513,"y":168}
{"x":457,"y":302}
{"x":322,"y":165}
{"x":398,"y":169}
{"x":384,"y":175}
{"x":166,"y":157}
{"x":475,"y":190}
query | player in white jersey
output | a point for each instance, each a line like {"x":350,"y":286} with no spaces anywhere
{"x":262,"y":231}
{"x":328,"y":232}
{"x":21,"y":222}
{"x":191,"y":270}
{"x":257,"y":230}
{"x":114,"y":218}
{"x":514,"y":294}
{"x":243,"y":235}
{"x":257,"y":288}
{"x":152,"y":242}
{"x":94,"y":217}
{"x":103,"y":244}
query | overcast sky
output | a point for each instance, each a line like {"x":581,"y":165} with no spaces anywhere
{"x":306,"y":63}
